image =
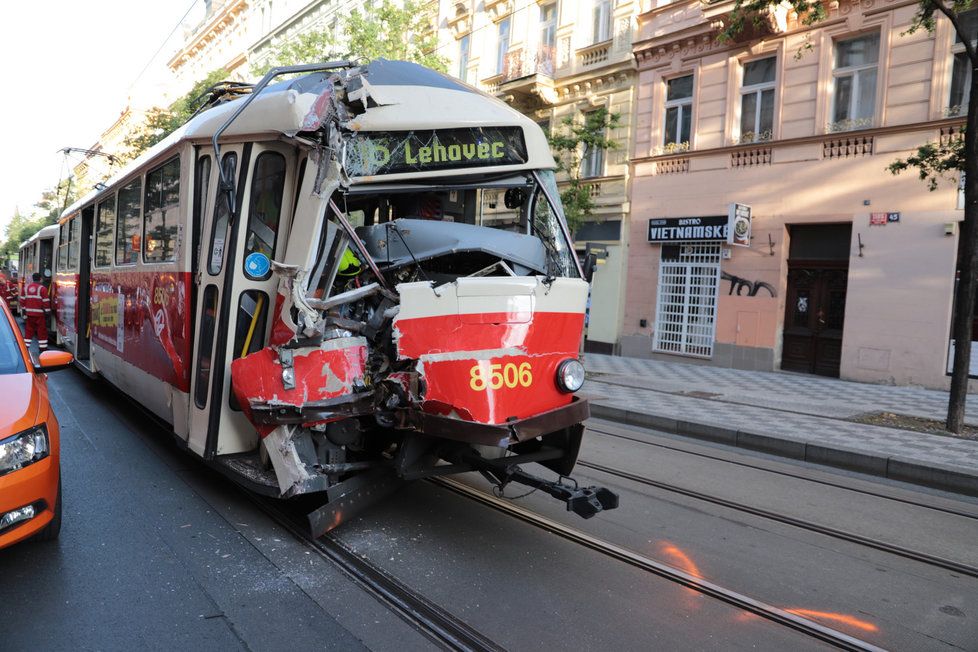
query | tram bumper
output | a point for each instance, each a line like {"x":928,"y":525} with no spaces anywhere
{"x":505,"y":434}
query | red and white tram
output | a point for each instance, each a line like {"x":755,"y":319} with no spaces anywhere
{"x":339,"y":282}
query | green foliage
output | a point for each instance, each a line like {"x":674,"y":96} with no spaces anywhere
{"x":161,"y":122}
{"x":19,"y":228}
{"x":934,"y":161}
{"x":570,"y":144}
{"x":49,"y":208}
{"x":381,"y":30}
{"x":308,"y":47}
{"x":754,"y":13}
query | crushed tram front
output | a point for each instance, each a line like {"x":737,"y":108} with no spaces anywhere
{"x":433,"y":330}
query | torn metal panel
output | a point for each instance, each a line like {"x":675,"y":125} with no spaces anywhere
{"x":290,"y":471}
{"x":335,"y":368}
{"x":421,"y":240}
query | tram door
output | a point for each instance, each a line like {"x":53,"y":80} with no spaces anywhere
{"x":235,"y":287}
{"x":83,"y":302}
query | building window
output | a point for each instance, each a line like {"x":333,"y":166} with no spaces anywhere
{"x":854,"y":83}
{"x":602,"y":21}
{"x":686,"y":299}
{"x":592,"y":163}
{"x":961,"y":67}
{"x":463,"y":58}
{"x":757,"y":101}
{"x":502,"y":45}
{"x":679,"y":112}
{"x":548,"y":25}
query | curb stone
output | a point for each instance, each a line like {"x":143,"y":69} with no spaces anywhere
{"x":934,"y":475}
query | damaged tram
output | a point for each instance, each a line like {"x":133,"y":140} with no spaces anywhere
{"x":357,"y":276}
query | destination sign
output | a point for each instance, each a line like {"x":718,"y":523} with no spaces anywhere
{"x":400,"y":152}
{"x":669,"y":229}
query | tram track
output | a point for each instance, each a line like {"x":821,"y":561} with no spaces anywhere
{"x":869,"y":542}
{"x":782,"y":617}
{"x":431,"y":620}
{"x":803,"y":475}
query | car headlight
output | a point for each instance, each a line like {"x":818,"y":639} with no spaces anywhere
{"x":23,"y":448}
{"x":570,"y":375}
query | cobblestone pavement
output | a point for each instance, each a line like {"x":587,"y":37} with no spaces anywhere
{"x":787,"y":405}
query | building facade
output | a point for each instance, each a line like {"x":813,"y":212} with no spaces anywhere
{"x":552,"y":60}
{"x":847,"y":270}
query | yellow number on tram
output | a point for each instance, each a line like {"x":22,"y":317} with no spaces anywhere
{"x":500,"y":375}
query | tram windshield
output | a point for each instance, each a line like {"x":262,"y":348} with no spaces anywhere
{"x":439,"y":231}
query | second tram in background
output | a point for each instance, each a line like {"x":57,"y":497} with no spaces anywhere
{"x":37,"y":255}
{"x":337,"y":283}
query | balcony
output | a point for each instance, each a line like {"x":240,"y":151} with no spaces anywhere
{"x":528,"y":75}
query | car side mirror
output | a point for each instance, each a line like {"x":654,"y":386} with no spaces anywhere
{"x":53,"y":361}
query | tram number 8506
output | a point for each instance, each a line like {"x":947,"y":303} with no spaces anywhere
{"x":500,"y":375}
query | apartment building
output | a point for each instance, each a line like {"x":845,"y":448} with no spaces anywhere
{"x":554,"y":59}
{"x":832,"y":265}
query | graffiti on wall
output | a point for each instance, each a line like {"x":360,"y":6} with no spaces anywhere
{"x":746,"y":287}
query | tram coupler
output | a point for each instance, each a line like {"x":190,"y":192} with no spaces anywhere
{"x":583,"y":501}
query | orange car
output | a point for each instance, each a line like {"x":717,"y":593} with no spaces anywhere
{"x":30,"y":467}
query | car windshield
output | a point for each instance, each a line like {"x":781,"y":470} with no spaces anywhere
{"x":11,"y":360}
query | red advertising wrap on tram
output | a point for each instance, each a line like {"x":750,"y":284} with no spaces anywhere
{"x":337,"y":283}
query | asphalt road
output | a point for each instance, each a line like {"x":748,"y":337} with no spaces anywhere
{"x":159,"y":552}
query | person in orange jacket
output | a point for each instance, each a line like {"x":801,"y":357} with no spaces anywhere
{"x":36,"y":306}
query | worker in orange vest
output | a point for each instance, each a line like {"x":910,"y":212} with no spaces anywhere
{"x":36,"y":306}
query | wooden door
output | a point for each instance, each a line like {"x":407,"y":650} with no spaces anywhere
{"x":814,"y":315}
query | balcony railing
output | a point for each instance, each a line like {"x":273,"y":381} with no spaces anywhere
{"x":523,"y":63}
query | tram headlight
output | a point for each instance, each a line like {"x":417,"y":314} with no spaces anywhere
{"x":23,"y":449}
{"x":570,"y":375}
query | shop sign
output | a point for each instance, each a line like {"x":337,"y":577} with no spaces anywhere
{"x":882,"y":219}
{"x":739,"y":219}
{"x":688,"y":229}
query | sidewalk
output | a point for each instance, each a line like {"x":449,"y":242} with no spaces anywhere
{"x":793,"y":415}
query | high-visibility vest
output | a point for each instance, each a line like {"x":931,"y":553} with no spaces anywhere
{"x":35,"y":299}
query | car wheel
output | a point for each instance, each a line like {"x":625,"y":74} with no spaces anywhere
{"x":53,"y":529}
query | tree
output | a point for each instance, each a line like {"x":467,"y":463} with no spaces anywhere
{"x":931,"y":160}
{"x":571,"y":144}
{"x":55,"y":200}
{"x":19,"y":229}
{"x":383,"y":30}
{"x":161,"y":122}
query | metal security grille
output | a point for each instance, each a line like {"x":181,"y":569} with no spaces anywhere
{"x":686,"y":302}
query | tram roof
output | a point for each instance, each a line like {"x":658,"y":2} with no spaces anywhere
{"x":405,"y":96}
{"x":47,"y":231}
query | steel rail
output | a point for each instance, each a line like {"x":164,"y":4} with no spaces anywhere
{"x":428,"y":618}
{"x":869,"y":542}
{"x":720,"y":458}
{"x":782,"y":617}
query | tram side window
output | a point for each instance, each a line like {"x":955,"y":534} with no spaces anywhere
{"x":127,"y":224}
{"x":161,"y":208}
{"x":63,"y":247}
{"x":103,"y":233}
{"x":219,"y":233}
{"x":204,"y":354}
{"x":249,"y":332}
{"x":264,"y":213}
{"x":74,"y":246}
{"x":201,"y":188}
